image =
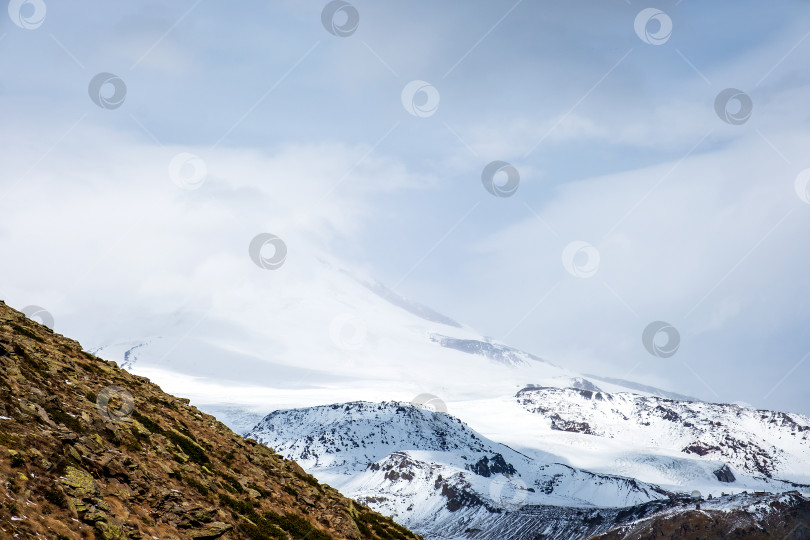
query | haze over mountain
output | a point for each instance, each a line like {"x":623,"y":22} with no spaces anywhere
{"x":425,"y":468}
{"x":303,"y":134}
{"x":548,"y":436}
{"x":436,"y":252}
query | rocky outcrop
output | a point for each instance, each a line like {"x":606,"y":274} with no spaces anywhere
{"x":486,"y":466}
{"x":89,"y":450}
{"x":496,"y":352}
{"x":724,"y":474}
{"x":560,"y":424}
{"x":757,"y":516}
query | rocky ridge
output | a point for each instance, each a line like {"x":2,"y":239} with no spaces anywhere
{"x":766,"y":444}
{"x":88,"y":450}
{"x":754,"y":516}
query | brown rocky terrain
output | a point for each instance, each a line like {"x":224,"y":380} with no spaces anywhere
{"x":88,"y":450}
{"x":754,"y":516}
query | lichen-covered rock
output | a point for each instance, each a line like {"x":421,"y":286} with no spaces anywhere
{"x":164,"y":471}
{"x":80,"y":482}
{"x":204,"y":515}
{"x":109,"y":531}
{"x":210,"y":532}
{"x":94,"y":516}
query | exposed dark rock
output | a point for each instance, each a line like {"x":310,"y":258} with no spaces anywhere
{"x":460,"y":496}
{"x":211,"y":532}
{"x":700,"y":449}
{"x":494,"y":351}
{"x":782,"y":516}
{"x":560,"y":424}
{"x":724,"y":474}
{"x":667,"y":414}
{"x":486,"y":467}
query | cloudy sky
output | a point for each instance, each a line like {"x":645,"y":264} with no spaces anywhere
{"x":646,"y":191}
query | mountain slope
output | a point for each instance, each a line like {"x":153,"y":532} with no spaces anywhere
{"x":757,"y":516}
{"x":432,"y":473}
{"x":321,"y":336}
{"x":758,"y":443}
{"x":87,"y":448}
{"x":429,"y":470}
{"x":318,"y":336}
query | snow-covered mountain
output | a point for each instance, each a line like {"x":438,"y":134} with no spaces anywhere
{"x":318,"y":335}
{"x":425,"y":468}
{"x":768,"y":444}
{"x":434,"y":474}
{"x":298,"y":342}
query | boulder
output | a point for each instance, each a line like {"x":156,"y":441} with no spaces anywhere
{"x":211,"y":532}
{"x":724,"y":474}
{"x":80,"y":482}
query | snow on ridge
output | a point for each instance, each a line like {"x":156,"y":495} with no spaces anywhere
{"x":488,"y":348}
{"x":414,"y":308}
{"x":351,"y":443}
{"x":760,"y":443}
{"x":125,"y":353}
{"x":642,"y":388}
{"x":319,"y":436}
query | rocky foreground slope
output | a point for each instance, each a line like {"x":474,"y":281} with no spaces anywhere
{"x":88,"y":450}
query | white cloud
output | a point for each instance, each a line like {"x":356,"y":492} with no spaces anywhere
{"x":99,"y":223}
{"x":693,"y":244}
